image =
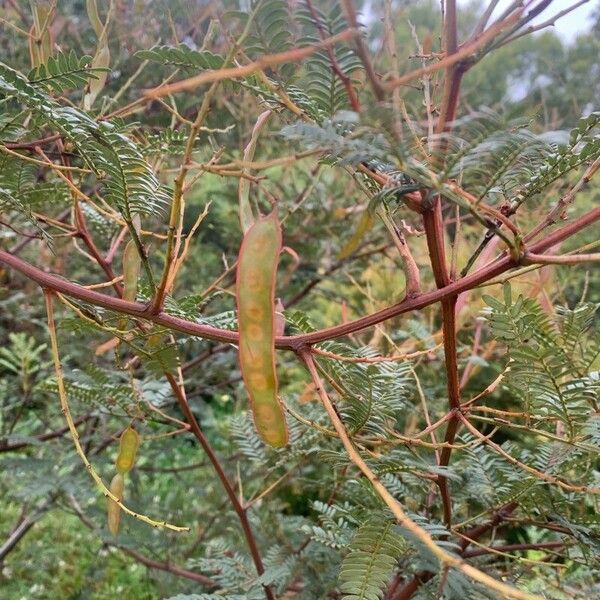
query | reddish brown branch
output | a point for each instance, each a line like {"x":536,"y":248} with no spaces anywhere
{"x":228,"y":487}
{"x":23,"y":526}
{"x":362,"y":51}
{"x":296,"y":342}
{"x":434,"y":231}
{"x":410,"y":587}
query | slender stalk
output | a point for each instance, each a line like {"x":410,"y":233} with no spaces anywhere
{"x":139,"y":557}
{"x":418,"y":532}
{"x":177,"y":204}
{"x":272,"y":60}
{"x":227,"y":485}
{"x":532,"y":471}
{"x":62,"y":393}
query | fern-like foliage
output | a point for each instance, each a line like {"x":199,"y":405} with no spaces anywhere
{"x":64,"y":71}
{"x":373,"y":554}
{"x":257,"y":86}
{"x":548,"y":359}
{"x":131,"y":184}
{"x":325,"y":86}
{"x":21,"y":192}
{"x":128,"y":179}
{"x":182,"y":56}
{"x":9,"y":202}
{"x":373,"y":393}
{"x":167,"y":141}
{"x":492,"y":156}
{"x":95,"y":388}
{"x":583,"y":145}
{"x":489,"y":478}
{"x":270,"y":31}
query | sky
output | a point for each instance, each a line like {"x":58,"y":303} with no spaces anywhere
{"x":569,"y":26}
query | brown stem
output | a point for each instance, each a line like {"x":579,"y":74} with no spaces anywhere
{"x":83,"y":232}
{"x":229,"y":489}
{"x":563,"y":259}
{"x":445,"y":558}
{"x":466,"y":52}
{"x":513,"y":548}
{"x":362,"y":51}
{"x":410,"y":587}
{"x":434,"y":230}
{"x":6,"y":447}
{"x":22,"y":528}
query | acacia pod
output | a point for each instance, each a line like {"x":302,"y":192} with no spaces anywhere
{"x":364,"y":225}
{"x":128,"y":447}
{"x":131,"y":271}
{"x":255,"y":292}
{"x":117,"y":485}
{"x":279,"y":317}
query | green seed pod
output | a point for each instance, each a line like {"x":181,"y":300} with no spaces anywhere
{"x":257,"y":266}
{"x":128,"y":447}
{"x":117,"y":485}
{"x":131,"y":271}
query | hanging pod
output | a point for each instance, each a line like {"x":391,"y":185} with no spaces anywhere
{"x":128,"y":447}
{"x":255,"y":292}
{"x":117,"y":485}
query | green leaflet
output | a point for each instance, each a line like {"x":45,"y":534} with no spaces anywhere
{"x":374,"y":552}
{"x":257,"y":265}
{"x":64,"y":71}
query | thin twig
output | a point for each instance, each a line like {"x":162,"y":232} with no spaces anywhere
{"x":417,"y":531}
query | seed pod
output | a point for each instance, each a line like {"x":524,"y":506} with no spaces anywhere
{"x":131,"y":270}
{"x":279,"y":317}
{"x":364,"y":225}
{"x":128,"y":447}
{"x":257,"y":266}
{"x":117,"y":486}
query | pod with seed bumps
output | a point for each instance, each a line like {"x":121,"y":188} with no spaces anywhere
{"x":117,"y":485}
{"x":255,"y":293}
{"x":128,"y":447}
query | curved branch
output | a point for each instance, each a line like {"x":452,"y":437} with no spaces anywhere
{"x":493,"y":269}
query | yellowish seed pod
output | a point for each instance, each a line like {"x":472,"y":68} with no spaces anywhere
{"x":257,"y":326}
{"x":117,"y":485}
{"x":128,"y":447}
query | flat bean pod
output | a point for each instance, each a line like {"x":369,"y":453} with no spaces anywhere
{"x":131,"y":271}
{"x":255,"y":291}
{"x":128,"y":447}
{"x":117,"y":485}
